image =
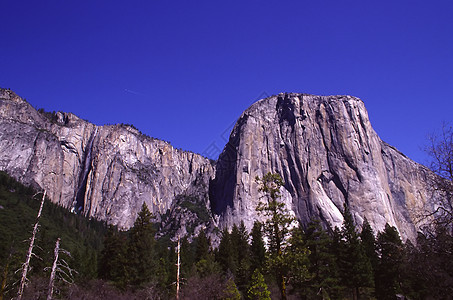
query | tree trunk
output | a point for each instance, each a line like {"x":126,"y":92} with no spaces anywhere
{"x":355,"y":293}
{"x":178,"y":270}
{"x":54,"y":269}
{"x":26,"y":265}
{"x":283,"y":287}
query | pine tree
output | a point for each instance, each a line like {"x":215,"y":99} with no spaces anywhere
{"x":187,"y":258}
{"x":369,"y":243}
{"x":205,"y":264}
{"x":231,"y":291}
{"x":112,"y":263}
{"x":355,"y":267}
{"x":276,"y":226}
{"x":241,"y":256}
{"x":235,"y":241}
{"x":296,"y":259}
{"x":257,"y":249}
{"x":202,"y":246}
{"x":323,"y":269}
{"x":142,"y":261}
{"x":224,"y":254}
{"x":389,"y":269}
{"x":258,"y":288}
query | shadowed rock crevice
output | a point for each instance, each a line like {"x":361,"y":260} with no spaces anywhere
{"x":83,"y":178}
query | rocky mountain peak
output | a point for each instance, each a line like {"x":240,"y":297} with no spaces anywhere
{"x":328,"y":154}
{"x":106,"y":172}
{"x":323,"y":146}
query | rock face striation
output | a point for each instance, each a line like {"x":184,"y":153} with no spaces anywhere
{"x":324,"y":148}
{"x":328,"y":154}
{"x":106,"y":172}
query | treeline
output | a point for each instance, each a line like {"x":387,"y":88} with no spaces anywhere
{"x":279,"y":258}
{"x":317,"y":264}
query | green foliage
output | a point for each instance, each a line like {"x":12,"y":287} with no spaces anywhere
{"x":203,"y":244}
{"x":323,"y":280}
{"x":278,"y":219}
{"x":311,"y":262}
{"x":231,"y":291}
{"x":354,"y":265}
{"x":277,"y":228}
{"x":389,"y":268}
{"x":428,"y":266}
{"x":369,"y":243}
{"x":258,"y":288}
{"x":224,"y":254}
{"x":187,"y":257}
{"x":51,"y":116}
{"x":18,"y":209}
{"x":193,"y":205}
{"x":187,"y":211}
{"x":257,"y":248}
{"x":206,"y":267}
{"x":113,"y":260}
{"x":241,"y":256}
{"x":141,"y":258}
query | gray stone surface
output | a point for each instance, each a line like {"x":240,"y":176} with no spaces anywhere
{"x":105,"y":171}
{"x":324,"y":148}
{"x":328,"y":154}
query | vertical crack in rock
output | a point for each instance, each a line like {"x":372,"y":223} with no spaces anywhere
{"x":79,"y":202}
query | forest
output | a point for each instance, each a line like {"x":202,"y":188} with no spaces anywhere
{"x":278,"y":259}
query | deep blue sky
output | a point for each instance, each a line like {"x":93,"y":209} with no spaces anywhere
{"x":183,"y":71}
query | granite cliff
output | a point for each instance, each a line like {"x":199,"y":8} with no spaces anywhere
{"x":323,"y":146}
{"x":328,"y":154}
{"x":105,"y":172}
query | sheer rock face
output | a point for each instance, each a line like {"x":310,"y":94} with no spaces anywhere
{"x":324,"y":148}
{"x":328,"y":154}
{"x":105,"y":171}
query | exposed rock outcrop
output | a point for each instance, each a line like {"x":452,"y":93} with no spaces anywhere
{"x":324,"y":148}
{"x":328,"y":154}
{"x":105,"y":172}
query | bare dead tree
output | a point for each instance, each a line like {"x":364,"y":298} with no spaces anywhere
{"x":60,"y":269}
{"x":440,"y":149}
{"x":178,"y":269}
{"x":26,"y":264}
{"x":54,"y":269}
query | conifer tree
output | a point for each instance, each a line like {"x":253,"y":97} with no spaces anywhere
{"x":369,"y":243}
{"x":389,"y":269}
{"x":205,"y":264}
{"x":296,"y":259}
{"x":258,"y":288}
{"x":142,"y":261}
{"x":235,"y":240}
{"x":187,"y":257}
{"x":231,"y":291}
{"x":224,"y":253}
{"x":202,"y":246}
{"x":276,"y":226}
{"x":323,"y":269}
{"x":355,"y":267}
{"x":241,"y":256}
{"x":257,"y":249}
